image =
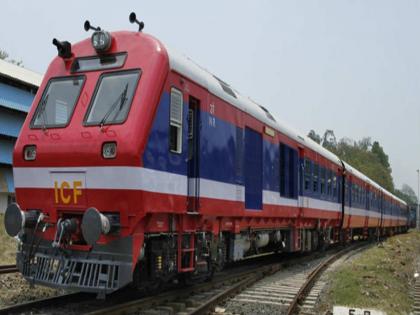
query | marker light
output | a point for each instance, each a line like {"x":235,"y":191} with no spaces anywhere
{"x":29,"y":152}
{"x":101,"y":41}
{"x":109,"y":150}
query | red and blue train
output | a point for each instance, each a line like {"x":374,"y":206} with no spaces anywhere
{"x":137,"y":166}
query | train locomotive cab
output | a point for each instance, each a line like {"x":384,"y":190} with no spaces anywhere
{"x":77,"y":161}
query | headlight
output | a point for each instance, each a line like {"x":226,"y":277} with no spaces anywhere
{"x":101,"y":41}
{"x":109,"y":150}
{"x":29,"y":152}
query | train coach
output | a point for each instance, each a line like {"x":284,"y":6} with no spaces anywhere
{"x":137,"y":166}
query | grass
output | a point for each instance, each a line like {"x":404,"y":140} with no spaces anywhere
{"x":379,"y":277}
{"x":7,"y":245}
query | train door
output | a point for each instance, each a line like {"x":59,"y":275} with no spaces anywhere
{"x":193,"y":154}
{"x":253,"y":169}
{"x":301,"y":172}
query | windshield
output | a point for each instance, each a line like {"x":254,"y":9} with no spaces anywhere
{"x":57,"y":103}
{"x":112,"y":99}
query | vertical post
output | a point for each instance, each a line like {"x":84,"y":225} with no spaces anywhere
{"x":418,"y":200}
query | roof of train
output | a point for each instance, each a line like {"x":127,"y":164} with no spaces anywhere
{"x":190,"y":69}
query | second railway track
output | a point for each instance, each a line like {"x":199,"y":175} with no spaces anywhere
{"x":8,"y":269}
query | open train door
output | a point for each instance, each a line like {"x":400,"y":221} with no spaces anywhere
{"x":193,"y":171}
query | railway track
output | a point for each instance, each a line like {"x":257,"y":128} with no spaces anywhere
{"x":200,"y":298}
{"x":416,"y":296}
{"x":203,"y":298}
{"x":8,"y":269}
{"x":290,"y":291}
{"x":33,"y":307}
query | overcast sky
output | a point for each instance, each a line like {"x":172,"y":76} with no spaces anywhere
{"x":351,"y":66}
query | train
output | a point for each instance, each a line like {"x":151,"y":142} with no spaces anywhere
{"x":137,"y":167}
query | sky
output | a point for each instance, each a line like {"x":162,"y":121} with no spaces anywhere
{"x":350,"y":66}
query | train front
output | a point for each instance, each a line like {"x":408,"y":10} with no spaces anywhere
{"x":77,"y":163}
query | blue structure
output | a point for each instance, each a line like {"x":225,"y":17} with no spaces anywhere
{"x":17,"y":90}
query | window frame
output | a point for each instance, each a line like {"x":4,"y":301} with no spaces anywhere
{"x":174,"y":124}
{"x":98,"y":84}
{"x":44,"y":93}
{"x":315,"y":178}
{"x":307,"y":165}
{"x":116,"y":55}
{"x":322,"y":180}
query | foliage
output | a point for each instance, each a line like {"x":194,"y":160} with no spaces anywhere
{"x":314,"y":136}
{"x":5,"y":56}
{"x":368,"y":158}
{"x":407,"y":194}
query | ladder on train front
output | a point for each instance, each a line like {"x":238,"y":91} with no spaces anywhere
{"x":186,"y":249}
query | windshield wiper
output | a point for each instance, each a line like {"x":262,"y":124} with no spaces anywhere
{"x":121,"y":99}
{"x":41,"y":112}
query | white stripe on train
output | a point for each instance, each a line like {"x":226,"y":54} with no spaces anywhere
{"x":139,"y":178}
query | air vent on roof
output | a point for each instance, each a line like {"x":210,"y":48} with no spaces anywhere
{"x":268,"y":114}
{"x":225,"y":87}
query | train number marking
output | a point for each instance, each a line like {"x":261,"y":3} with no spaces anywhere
{"x":212,"y":119}
{"x":63,"y":193}
{"x":212,"y":108}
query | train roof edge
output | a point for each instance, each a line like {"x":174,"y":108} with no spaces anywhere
{"x":187,"y":67}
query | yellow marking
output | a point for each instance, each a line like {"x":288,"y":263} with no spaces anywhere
{"x":65,"y":199}
{"x":76,"y":191}
{"x":269,"y":131}
{"x":56,"y":191}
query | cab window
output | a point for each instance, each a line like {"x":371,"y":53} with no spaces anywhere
{"x":57,"y":102}
{"x":112,"y":99}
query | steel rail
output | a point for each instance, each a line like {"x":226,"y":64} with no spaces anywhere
{"x":8,"y":269}
{"x":234,"y":283}
{"x":28,"y":307}
{"x":313,"y":276}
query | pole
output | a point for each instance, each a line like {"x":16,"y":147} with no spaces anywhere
{"x":418,"y":200}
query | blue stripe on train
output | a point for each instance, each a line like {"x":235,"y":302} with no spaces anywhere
{"x":222,"y":147}
{"x":218,"y":143}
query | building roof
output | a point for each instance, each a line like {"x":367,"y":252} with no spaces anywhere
{"x":20,"y":74}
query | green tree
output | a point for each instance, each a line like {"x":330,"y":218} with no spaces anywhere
{"x":379,"y":152}
{"x":329,"y":141}
{"x":368,"y":158}
{"x":314,"y":136}
{"x":407,"y":194}
{"x":5,"y":56}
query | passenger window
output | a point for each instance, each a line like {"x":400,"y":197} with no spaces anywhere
{"x":322,"y":180}
{"x":175,"y":121}
{"x":329,"y":183}
{"x":315,"y":177}
{"x":307,"y":174}
{"x":334,"y":185}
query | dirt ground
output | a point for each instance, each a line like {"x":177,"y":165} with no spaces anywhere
{"x":7,"y":245}
{"x":379,"y":277}
{"x":13,"y":288}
